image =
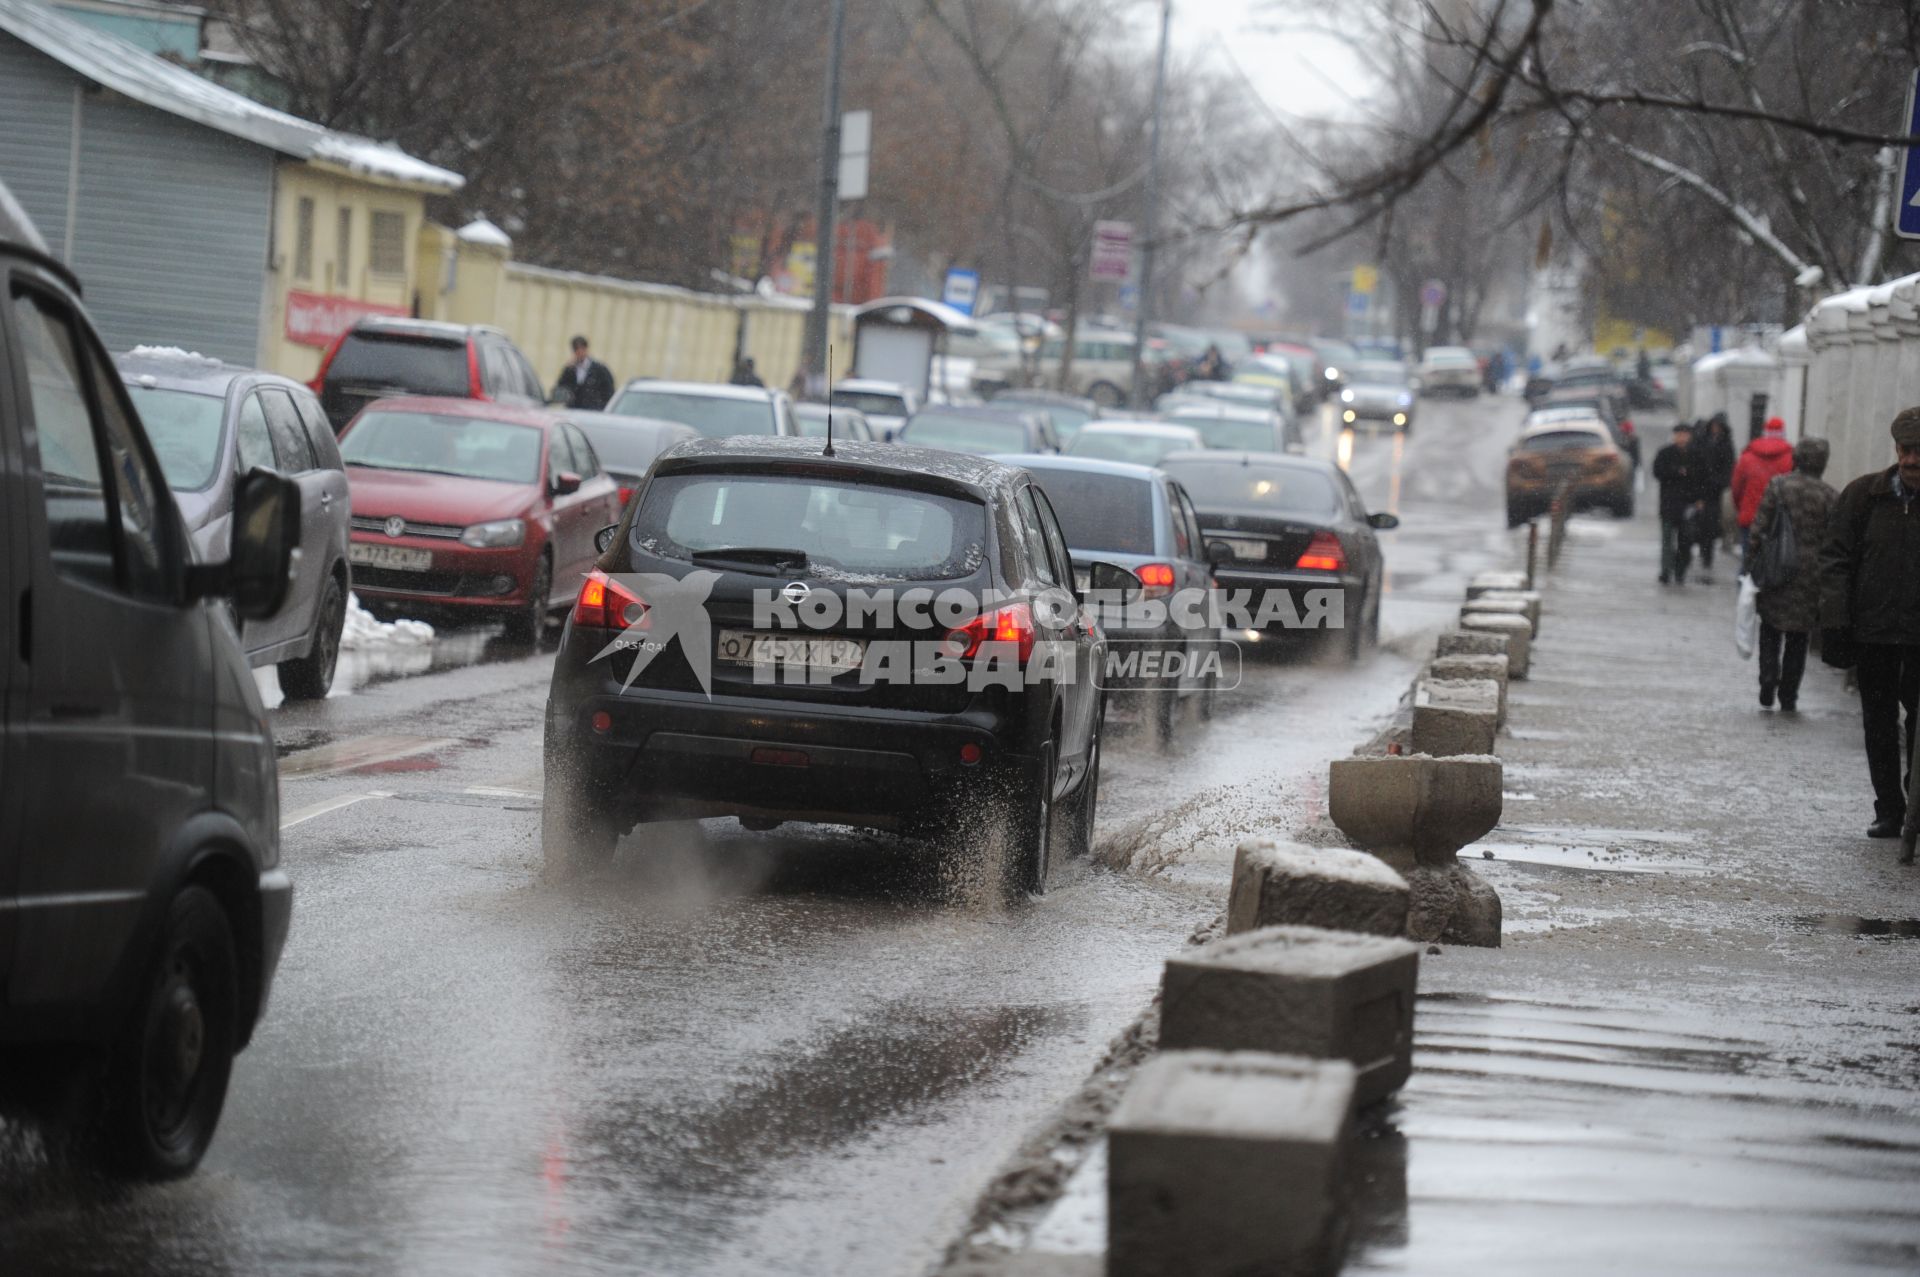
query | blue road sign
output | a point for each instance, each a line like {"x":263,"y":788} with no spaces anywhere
{"x":1907,"y":219}
{"x":1357,"y":304}
{"x":962,"y":290}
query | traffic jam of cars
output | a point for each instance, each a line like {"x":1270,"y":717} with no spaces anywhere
{"x":918,"y":610}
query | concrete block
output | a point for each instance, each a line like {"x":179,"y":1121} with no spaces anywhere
{"x":1529,"y":599}
{"x":1327,"y":995}
{"x":1485,"y":581}
{"x":1451,"y":718}
{"x":1486,"y":604}
{"x":1453,"y":905}
{"x":1280,"y":882}
{"x":1408,"y":809}
{"x":1459,"y":669}
{"x":1229,"y":1166}
{"x":1470,"y":643}
{"x":1518,"y":632}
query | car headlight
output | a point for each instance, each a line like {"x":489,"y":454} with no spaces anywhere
{"x":1333,"y":374}
{"x":496,"y":535}
{"x":1346,"y":396}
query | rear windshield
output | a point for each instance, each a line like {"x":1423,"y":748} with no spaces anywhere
{"x":630,"y":448}
{"x":860,"y":530}
{"x":1224,"y":432}
{"x":1066,"y":418}
{"x":185,"y":429}
{"x":470,"y":447}
{"x":1560,"y":441}
{"x":965,"y":434}
{"x":714,"y":416}
{"x":1215,"y":485}
{"x":870,"y":402}
{"x":1141,"y":449}
{"x":417,"y":365}
{"x":1101,"y":511}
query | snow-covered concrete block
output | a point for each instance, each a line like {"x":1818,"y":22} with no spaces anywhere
{"x":1470,"y":643}
{"x":1529,"y":600}
{"x":1451,"y":718}
{"x":1487,"y":604}
{"x":1410,"y":809}
{"x":1461,"y":669}
{"x":1518,"y":631}
{"x":1280,"y":882}
{"x":1226,"y":1165}
{"x":1331,"y":995}
{"x":1484,"y":581}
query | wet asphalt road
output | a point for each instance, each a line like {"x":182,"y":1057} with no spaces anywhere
{"x":732,"y":1053}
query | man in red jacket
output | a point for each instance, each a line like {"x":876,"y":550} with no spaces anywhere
{"x":1765,"y":457}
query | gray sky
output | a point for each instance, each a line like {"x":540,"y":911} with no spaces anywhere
{"x":1297,"y":74}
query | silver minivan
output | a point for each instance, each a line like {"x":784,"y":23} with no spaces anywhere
{"x":211,"y":424}
{"x":142,"y":904}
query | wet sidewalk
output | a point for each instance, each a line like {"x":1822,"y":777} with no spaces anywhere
{"x":1700,"y":1050}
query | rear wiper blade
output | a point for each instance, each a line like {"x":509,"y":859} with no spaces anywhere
{"x":753,"y":556}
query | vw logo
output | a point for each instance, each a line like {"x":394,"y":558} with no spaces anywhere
{"x":795,"y":591}
{"x":396,"y":526}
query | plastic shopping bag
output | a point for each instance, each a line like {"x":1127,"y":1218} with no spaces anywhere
{"x":1746,"y":618}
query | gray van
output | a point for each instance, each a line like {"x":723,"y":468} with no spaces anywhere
{"x":142,"y":905}
{"x":211,"y":424}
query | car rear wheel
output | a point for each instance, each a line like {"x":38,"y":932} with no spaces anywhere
{"x":529,"y":623}
{"x":166,"y":1079}
{"x":1083,"y":808}
{"x":1027,"y":831}
{"x":308,"y":678}
{"x":575,"y":834}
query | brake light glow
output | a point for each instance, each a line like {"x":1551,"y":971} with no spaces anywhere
{"x":474,"y":385}
{"x":1011,"y":624}
{"x":1323,"y":554}
{"x":605,"y":604}
{"x":1157,"y":578}
{"x":626,"y":494}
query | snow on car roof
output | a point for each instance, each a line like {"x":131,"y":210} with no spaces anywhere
{"x":1150,"y":429}
{"x":710,"y":389}
{"x":134,"y":73}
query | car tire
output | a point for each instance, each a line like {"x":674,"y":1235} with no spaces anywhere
{"x":529,"y":624}
{"x":166,"y":1075}
{"x":1083,"y":808}
{"x":1211,"y":688}
{"x":1026,"y":851}
{"x":1516,"y":515}
{"x":1166,"y":718}
{"x":575,"y":834}
{"x":1623,"y":507}
{"x":309,"y":677}
{"x":1107,"y":395}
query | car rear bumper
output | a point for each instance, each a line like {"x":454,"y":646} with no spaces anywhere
{"x":1297,"y":586}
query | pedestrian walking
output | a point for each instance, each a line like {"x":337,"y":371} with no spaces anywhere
{"x":1870,"y":611}
{"x":1795,"y":505}
{"x":1714,"y":444}
{"x":1677,"y":469}
{"x":744,"y":373}
{"x":1764,"y":458}
{"x":586,"y":382}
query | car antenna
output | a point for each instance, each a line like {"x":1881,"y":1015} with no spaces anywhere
{"x":828,"y":450}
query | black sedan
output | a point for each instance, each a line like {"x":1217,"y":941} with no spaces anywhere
{"x":982,"y":430}
{"x":758,"y":639}
{"x":1281,"y":531}
{"x":1067,"y":412}
{"x":627,"y":445}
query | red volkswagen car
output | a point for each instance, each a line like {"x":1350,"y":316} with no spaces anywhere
{"x":463,"y":508}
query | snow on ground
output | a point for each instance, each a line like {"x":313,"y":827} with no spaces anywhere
{"x":363,"y":630}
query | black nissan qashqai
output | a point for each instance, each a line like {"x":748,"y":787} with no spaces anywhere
{"x":874,"y":635}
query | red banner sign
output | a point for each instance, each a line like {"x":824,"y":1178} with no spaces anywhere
{"x":315,"y":320}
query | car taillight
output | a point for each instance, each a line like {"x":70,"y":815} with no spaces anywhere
{"x":1323,"y":554}
{"x":1157,"y":578}
{"x":319,"y":382}
{"x":625,"y":494}
{"x":605,"y":604}
{"x":1011,"y":624}
{"x":474,"y":386}
{"x":1626,"y":427}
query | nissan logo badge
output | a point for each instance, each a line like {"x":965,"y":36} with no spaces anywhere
{"x":795,"y":591}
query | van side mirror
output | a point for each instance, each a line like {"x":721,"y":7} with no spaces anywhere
{"x":603,"y":539}
{"x":566,"y":483}
{"x":1112,"y":580}
{"x":1219,"y":553}
{"x":266,"y":544}
{"x":1383,"y":522}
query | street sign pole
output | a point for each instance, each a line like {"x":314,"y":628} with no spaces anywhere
{"x":814,"y":357}
{"x":1137,"y":386}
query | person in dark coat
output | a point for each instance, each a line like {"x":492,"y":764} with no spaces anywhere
{"x":1790,"y":612}
{"x":1870,"y":611}
{"x":1677,"y":468}
{"x":586,"y":382}
{"x":1714,"y":443}
{"x":744,"y":373}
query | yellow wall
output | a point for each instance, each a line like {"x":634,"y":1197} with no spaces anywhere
{"x":637,"y":329}
{"x":331,"y":191}
{"x":1610,"y":334}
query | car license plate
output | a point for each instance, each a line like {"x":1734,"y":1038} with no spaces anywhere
{"x":744,"y":647}
{"x":1246,"y":548}
{"x":390,"y":556}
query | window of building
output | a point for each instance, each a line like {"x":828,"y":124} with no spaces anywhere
{"x":387,"y":244}
{"x":303,"y":238}
{"x":344,"y":240}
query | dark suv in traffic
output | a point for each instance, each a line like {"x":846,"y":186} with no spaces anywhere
{"x":883,"y":636}
{"x":380,"y":357}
